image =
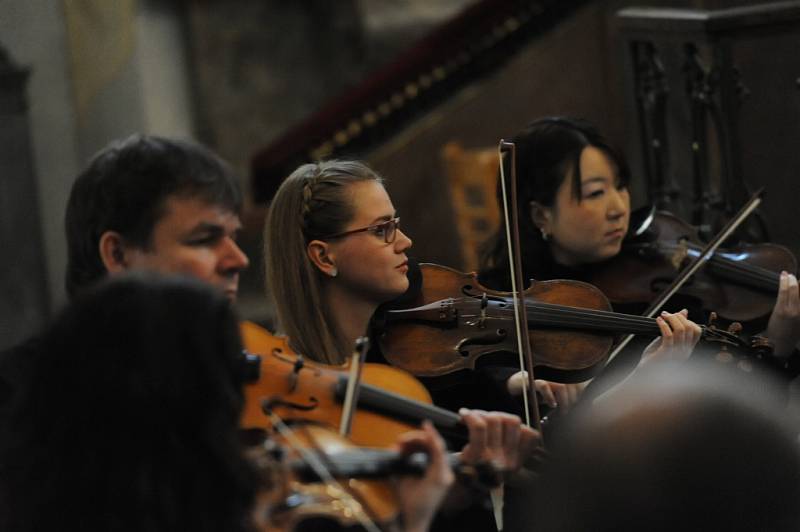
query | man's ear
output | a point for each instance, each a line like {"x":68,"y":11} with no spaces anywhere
{"x":542,"y":217}
{"x":320,"y":254}
{"x":113,"y":252}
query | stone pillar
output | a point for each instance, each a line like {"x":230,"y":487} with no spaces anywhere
{"x":23,"y":290}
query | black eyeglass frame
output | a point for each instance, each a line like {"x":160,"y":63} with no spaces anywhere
{"x":389,"y":236}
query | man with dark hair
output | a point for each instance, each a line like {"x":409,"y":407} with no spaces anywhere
{"x":153,"y":204}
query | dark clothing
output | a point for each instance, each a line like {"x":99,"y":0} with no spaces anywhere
{"x":13,"y":364}
{"x":628,"y":359}
{"x":625,"y":362}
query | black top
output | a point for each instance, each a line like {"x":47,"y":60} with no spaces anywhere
{"x":625,"y":362}
{"x":629,"y":358}
{"x":14,"y":364}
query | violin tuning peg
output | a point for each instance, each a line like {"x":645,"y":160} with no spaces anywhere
{"x":711,"y":319}
{"x":762,"y":346}
{"x":735,"y":328}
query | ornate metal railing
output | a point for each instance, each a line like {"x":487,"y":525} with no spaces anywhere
{"x":471,"y":45}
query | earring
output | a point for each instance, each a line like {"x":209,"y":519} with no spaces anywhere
{"x":334,"y":272}
{"x":545,"y":236}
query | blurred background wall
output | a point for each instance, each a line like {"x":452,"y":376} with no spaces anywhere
{"x":236,"y":75}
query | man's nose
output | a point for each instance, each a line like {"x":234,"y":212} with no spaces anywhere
{"x":233,"y":257}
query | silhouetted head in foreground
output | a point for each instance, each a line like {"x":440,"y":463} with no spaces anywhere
{"x":678,"y":448}
{"x":129,"y":416}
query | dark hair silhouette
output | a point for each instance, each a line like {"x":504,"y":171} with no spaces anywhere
{"x":124,"y":189}
{"x":128,"y":418}
{"x":680,"y":448}
{"x":548,"y":150}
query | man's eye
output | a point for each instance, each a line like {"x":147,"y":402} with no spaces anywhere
{"x":203,"y":240}
{"x":379,"y":231}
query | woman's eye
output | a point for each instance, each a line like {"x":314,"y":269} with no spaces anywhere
{"x":379,"y":231}
{"x":593,"y":193}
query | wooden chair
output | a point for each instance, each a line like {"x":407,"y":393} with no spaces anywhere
{"x":472,"y":174}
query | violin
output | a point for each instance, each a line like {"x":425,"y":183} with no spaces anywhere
{"x":739,"y":284}
{"x":391,"y":401}
{"x":294,"y":497}
{"x":454,"y":321}
{"x":323,"y":476}
{"x":313,"y":475}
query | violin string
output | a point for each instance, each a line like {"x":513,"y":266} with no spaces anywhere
{"x":582,"y":322}
{"x":573,"y":317}
{"x":548,"y":313}
{"x":737,"y":270}
{"x":568,"y":317}
{"x":761,"y":278}
{"x":740,"y":265}
{"x":324,"y":474}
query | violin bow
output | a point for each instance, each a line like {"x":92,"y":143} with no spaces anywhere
{"x":357,"y":360}
{"x":520,"y":318}
{"x":515,"y":264}
{"x":696,"y":264}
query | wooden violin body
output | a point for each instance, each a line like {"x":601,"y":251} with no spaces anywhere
{"x":291,"y":501}
{"x":391,"y":401}
{"x":306,"y":397}
{"x":739,"y":284}
{"x":571,"y":328}
{"x":461,"y":325}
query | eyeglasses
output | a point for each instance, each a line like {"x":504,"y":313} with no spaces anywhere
{"x":387,"y":230}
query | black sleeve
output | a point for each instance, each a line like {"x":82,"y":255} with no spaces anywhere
{"x":12,"y":366}
{"x":484,"y":388}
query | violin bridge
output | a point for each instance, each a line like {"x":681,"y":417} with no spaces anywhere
{"x":681,"y":252}
{"x":484,"y":305}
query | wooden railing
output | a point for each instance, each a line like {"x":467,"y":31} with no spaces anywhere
{"x":471,"y":45}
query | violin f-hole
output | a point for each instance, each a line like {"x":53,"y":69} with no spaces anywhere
{"x":269,"y":404}
{"x":494,"y":337}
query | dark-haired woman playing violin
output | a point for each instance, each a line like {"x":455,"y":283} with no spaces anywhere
{"x":574,"y":211}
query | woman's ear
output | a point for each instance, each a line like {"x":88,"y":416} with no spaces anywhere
{"x":113,"y":251}
{"x":542,"y":217}
{"x":320,"y":254}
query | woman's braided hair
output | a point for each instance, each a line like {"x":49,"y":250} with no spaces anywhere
{"x":318,"y":192}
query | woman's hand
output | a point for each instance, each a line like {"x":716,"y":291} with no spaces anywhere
{"x":553,"y":394}
{"x":678,"y":337}
{"x":420,"y":497}
{"x":497,"y":438}
{"x":783,"y":329}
